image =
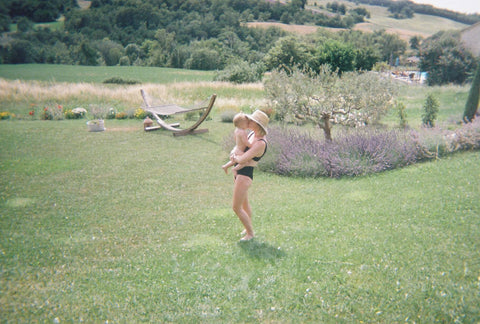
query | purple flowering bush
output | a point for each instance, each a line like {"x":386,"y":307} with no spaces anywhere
{"x":294,"y":152}
{"x":436,"y":142}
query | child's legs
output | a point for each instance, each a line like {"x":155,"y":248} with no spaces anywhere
{"x":228,"y":164}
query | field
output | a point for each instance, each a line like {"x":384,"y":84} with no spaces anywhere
{"x":419,"y":25}
{"x":130,"y":226}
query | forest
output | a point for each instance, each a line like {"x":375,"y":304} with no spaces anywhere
{"x":201,"y":35}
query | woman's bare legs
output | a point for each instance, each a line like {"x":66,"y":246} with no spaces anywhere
{"x":240,"y":205}
{"x":248,"y":210}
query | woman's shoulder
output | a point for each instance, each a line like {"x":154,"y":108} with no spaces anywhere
{"x":259,"y":141}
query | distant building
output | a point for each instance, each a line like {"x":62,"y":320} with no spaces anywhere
{"x":413,"y":61}
{"x":470,"y":37}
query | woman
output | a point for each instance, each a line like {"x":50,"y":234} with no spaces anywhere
{"x":257,"y":147}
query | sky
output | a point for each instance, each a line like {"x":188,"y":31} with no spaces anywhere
{"x":463,"y":6}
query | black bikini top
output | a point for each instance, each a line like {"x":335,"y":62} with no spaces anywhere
{"x":257,"y":158}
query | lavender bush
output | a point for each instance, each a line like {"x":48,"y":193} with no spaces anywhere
{"x":436,"y":142}
{"x":295,"y":151}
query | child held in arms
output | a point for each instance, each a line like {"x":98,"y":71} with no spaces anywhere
{"x":240,"y":121}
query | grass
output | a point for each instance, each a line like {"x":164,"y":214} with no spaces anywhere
{"x":98,"y":74}
{"x":424,"y":25}
{"x":21,"y":95}
{"x":128,"y":226}
{"x":31,"y":85}
{"x":452,"y":99}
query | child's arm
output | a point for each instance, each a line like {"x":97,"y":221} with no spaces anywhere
{"x":241,"y":139}
{"x":241,"y":142}
{"x":238,"y":166}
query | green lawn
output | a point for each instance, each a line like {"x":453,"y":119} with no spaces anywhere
{"x":128,"y":226}
{"x":98,"y":74}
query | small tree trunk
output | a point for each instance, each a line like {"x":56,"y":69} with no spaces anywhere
{"x":327,"y":127}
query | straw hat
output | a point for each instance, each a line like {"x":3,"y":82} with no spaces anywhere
{"x":260,"y":118}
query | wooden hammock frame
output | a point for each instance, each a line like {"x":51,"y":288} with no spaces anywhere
{"x":172,"y":109}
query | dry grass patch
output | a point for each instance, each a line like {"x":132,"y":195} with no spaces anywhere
{"x":17,"y":96}
{"x":297,"y":29}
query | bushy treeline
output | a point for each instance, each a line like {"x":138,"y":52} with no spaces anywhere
{"x":205,"y":35}
{"x":34,"y":10}
{"x":446,"y":59}
{"x":212,"y":35}
{"x":406,"y":9}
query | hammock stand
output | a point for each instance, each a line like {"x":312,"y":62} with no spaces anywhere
{"x":172,"y":109}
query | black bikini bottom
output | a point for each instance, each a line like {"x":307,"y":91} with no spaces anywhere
{"x":246,"y":171}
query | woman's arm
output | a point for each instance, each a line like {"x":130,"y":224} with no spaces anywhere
{"x":257,"y":149}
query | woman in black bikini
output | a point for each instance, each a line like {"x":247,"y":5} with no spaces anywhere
{"x":257,"y":147}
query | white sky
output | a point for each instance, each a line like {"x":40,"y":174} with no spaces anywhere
{"x":464,"y":6}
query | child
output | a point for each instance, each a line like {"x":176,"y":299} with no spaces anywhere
{"x":241,"y":123}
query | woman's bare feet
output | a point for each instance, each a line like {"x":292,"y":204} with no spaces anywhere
{"x":246,"y":238}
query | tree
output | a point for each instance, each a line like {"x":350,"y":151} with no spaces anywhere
{"x":86,"y":54}
{"x":430,"y":111}
{"x":132,"y":51}
{"x":390,"y":45}
{"x":471,"y":106}
{"x":445,"y":59}
{"x":4,"y":18}
{"x":241,"y":72}
{"x":203,"y":58}
{"x":415,"y":42}
{"x":288,"y":52}
{"x":354,"y":99}
{"x":24,"y":25}
{"x":20,"y":51}
{"x":338,"y":55}
{"x":110,"y":51}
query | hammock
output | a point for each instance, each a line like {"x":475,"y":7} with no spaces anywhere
{"x":172,"y":109}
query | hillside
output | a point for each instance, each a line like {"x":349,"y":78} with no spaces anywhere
{"x":423,"y":25}
{"x":216,"y":35}
{"x":420,"y":25}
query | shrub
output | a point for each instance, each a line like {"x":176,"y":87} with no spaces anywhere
{"x":6,"y":115}
{"x":402,"y":114}
{"x":52,"y":112}
{"x":121,"y":115}
{"x":111,"y":113}
{"x":356,"y":152}
{"x":69,"y":114}
{"x":119,"y":80}
{"x":227,"y":116}
{"x":430,"y":111}
{"x":241,"y":72}
{"x":101,"y":112}
{"x":139,"y":114}
{"x":466,"y":138}
{"x":436,"y":142}
{"x":473,"y":96}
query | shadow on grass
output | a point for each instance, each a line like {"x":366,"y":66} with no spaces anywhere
{"x":261,"y":250}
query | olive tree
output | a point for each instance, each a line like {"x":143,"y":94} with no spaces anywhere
{"x":325,"y":98}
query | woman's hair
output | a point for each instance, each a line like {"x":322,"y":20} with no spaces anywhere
{"x":261,"y":132}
